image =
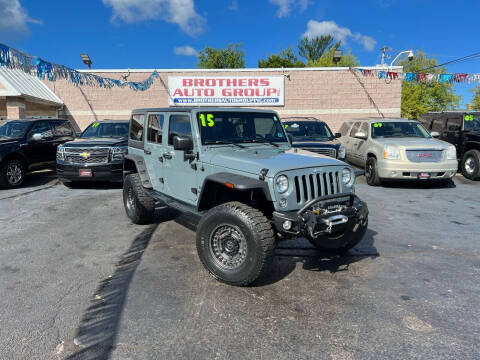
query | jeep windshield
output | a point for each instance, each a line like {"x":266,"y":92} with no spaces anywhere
{"x":14,"y":129}
{"x":398,"y":130}
{"x":106,"y":130}
{"x":308,"y":131}
{"x":224,"y":127}
{"x":472,"y":122}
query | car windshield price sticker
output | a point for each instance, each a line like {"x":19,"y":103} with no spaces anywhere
{"x":468,"y":117}
{"x":95,"y":125}
{"x":207,"y":120}
{"x":377,"y":125}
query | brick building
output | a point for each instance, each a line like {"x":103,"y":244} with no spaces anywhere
{"x":330,"y":94}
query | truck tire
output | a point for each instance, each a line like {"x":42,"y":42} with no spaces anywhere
{"x":12,"y":173}
{"x":471,"y":164}
{"x":235,"y":243}
{"x":371,"y":172}
{"x":139,"y":206}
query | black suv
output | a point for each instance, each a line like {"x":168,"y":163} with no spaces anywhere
{"x":97,"y":155}
{"x":30,"y":145}
{"x":462,"y":129}
{"x":313,"y":135}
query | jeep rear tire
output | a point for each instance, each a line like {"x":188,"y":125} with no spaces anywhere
{"x":139,"y":206}
{"x":12,"y":173}
{"x":471,"y":164}
{"x":371,"y":172}
{"x":235,"y":243}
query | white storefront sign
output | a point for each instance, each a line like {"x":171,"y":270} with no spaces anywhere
{"x":226,"y":90}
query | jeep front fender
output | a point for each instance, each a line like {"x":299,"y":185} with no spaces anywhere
{"x":136,"y":164}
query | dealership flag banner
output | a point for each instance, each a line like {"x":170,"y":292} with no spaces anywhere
{"x":226,"y":90}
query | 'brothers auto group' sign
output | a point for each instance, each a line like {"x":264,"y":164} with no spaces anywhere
{"x":226,"y":90}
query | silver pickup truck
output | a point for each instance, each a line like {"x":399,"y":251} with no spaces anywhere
{"x":397,"y":149}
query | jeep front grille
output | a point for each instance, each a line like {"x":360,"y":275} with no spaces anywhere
{"x":421,"y":156}
{"x":312,"y":186}
{"x":323,"y":151}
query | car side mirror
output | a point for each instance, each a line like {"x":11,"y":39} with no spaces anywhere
{"x":182,"y":143}
{"x":435,"y":134}
{"x":337,"y":135}
{"x":36,"y":137}
{"x":290,"y":138}
{"x":361,"y":135}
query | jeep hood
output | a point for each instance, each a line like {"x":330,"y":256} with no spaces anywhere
{"x":254,"y":160}
{"x":414,"y":143}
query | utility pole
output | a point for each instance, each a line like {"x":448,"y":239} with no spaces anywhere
{"x":384,"y":50}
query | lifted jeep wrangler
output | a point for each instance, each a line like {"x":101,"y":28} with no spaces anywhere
{"x":230,"y":169}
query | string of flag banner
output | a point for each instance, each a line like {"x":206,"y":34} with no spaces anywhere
{"x":33,"y":65}
{"x":421,"y":77}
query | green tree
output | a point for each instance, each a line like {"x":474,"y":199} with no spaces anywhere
{"x":421,"y":97}
{"x":232,"y":57}
{"x":312,"y":49}
{"x":476,"y":98}
{"x":285,"y":59}
{"x":326,"y":60}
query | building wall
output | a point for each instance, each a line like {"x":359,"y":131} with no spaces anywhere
{"x":330,"y":94}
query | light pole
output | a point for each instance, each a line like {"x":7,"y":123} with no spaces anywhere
{"x":409,"y":53}
{"x":86,"y":60}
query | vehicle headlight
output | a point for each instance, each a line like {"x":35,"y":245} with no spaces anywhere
{"x":60,"y":153}
{"x":348,"y":177}
{"x":118,"y":153}
{"x":391,"y":153}
{"x":341,"y":152}
{"x":281,"y":183}
{"x":452,"y":153}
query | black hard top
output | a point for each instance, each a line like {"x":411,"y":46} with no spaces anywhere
{"x":201,"y":108}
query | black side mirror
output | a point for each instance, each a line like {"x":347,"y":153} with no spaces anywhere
{"x":337,"y":135}
{"x":290,"y":138}
{"x":182,"y":143}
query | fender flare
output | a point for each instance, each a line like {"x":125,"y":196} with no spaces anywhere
{"x":141,"y":169}
{"x":236,"y":182}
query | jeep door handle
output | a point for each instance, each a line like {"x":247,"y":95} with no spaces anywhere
{"x":167,"y":156}
{"x":147,"y":152}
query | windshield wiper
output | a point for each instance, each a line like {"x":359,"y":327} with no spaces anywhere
{"x":220,"y":142}
{"x":262,"y":141}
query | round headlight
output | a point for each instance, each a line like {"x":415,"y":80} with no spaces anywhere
{"x":347,"y":175}
{"x":281,"y":183}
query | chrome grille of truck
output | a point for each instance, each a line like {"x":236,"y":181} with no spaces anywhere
{"x":323,"y":151}
{"x":420,"y":156}
{"x":82,"y":156}
{"x":312,"y":186}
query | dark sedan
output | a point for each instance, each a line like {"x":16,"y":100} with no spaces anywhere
{"x":314,"y":135}
{"x":97,"y":155}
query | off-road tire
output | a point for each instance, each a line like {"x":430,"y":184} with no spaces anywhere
{"x":139,"y":206}
{"x":472,"y":158}
{"x":4,"y":168}
{"x":341,"y":250}
{"x":257,"y":234}
{"x":371,"y":172}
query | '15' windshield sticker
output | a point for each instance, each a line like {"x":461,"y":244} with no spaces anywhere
{"x":95,"y":125}
{"x":468,"y":117}
{"x":377,"y":125}
{"x":207,"y":120}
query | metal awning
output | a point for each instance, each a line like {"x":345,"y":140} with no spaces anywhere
{"x":15,"y":82}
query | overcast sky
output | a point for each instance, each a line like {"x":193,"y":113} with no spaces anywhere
{"x":169,"y":33}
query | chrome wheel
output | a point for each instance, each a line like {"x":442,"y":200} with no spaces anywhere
{"x":469,"y":165}
{"x":14,"y":173}
{"x":228,"y":247}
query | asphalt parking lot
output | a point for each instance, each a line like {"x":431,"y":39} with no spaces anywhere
{"x":79,"y":281}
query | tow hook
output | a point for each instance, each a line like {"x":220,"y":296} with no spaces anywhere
{"x":333,"y":221}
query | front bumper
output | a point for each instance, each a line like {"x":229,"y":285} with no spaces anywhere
{"x":399,"y":169}
{"x":334,"y":220}
{"x":105,"y":172}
